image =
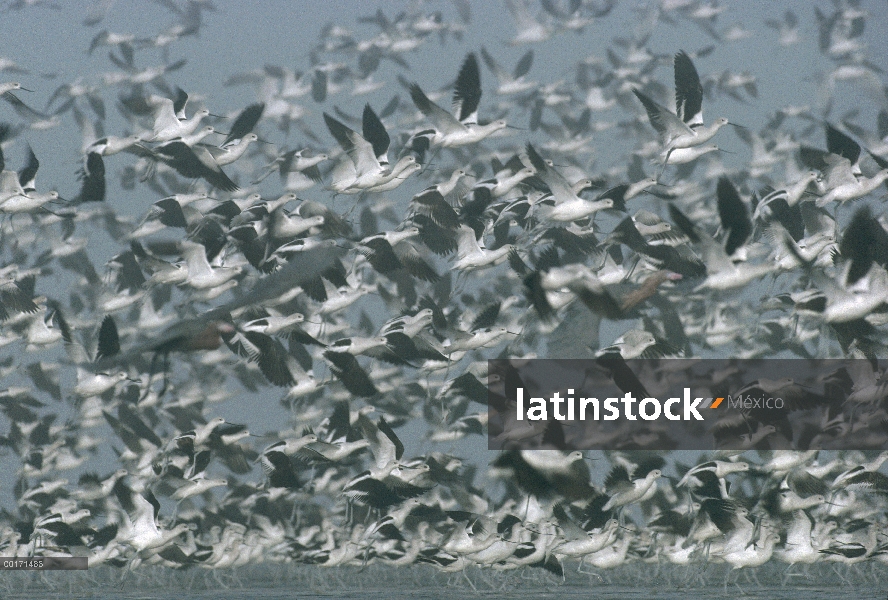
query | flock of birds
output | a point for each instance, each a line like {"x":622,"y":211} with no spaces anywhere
{"x":369,"y":307}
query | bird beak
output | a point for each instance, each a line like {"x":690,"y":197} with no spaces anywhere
{"x":24,"y":89}
{"x":735,"y":125}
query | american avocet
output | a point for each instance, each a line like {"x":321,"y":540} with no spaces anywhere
{"x":511,"y":83}
{"x":530,"y":29}
{"x":569,"y":206}
{"x":244,"y":123}
{"x":367,"y":152}
{"x":462,"y":127}
{"x":190,"y":161}
{"x":141,"y":530}
{"x":787,"y":28}
{"x":722,"y":273}
{"x":297,"y":167}
{"x":853,"y":189}
{"x":719,"y":467}
{"x":366,"y":159}
{"x":684,"y":128}
{"x":624,"y":491}
{"x":472,"y":256}
{"x":169,"y":120}
{"x":232,"y":151}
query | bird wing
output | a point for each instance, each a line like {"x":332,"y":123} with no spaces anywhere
{"x":245,"y":122}
{"x":662,"y":119}
{"x":688,"y":91}
{"x":733,"y":214}
{"x":375,"y":133}
{"x":444,"y":121}
{"x":467,"y":93}
{"x":359,"y":150}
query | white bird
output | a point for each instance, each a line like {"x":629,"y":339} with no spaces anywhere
{"x":167,"y":125}
{"x":201,"y":275}
{"x":683,"y":128}
{"x":460,"y":128}
{"x":569,"y":206}
{"x":514,"y":82}
{"x":471,"y":255}
{"x":625,"y":490}
{"x":367,"y":153}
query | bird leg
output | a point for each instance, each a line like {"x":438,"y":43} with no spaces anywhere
{"x":166,"y":372}
{"x":431,"y":158}
{"x":151,"y":371}
{"x":467,"y":578}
